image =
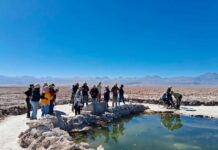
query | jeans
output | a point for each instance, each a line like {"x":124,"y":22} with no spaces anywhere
{"x":114,"y":101}
{"x":35,"y":106}
{"x":45,"y":110}
{"x":121,"y":99}
{"x":85,"y":100}
{"x":77,"y":110}
{"x":28,"y":107}
{"x":106,"y":101}
{"x":51,"y":109}
{"x":94,"y":100}
{"x":72,"y":101}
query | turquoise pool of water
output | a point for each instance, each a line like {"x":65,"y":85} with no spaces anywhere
{"x":155,"y":132}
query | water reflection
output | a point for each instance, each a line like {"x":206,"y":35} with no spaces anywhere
{"x":116,"y":130}
{"x":171,"y":122}
{"x":154,"y":132}
{"x":112,"y":132}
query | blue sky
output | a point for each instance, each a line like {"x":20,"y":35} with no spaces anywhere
{"x":108,"y":37}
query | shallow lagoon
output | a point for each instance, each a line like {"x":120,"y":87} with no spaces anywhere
{"x":165,"y":132}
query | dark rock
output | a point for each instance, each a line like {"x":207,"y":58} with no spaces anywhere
{"x":100,"y":108}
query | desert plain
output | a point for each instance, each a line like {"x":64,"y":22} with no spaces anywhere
{"x":14,"y":96}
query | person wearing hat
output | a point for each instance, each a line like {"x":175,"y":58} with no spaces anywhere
{"x":28,"y":94}
{"x":121,"y":94}
{"x":114,"y":91}
{"x":35,"y":101}
{"x":44,"y":85}
{"x":85,"y":94}
{"x":107,"y":95}
{"x":45,"y":100}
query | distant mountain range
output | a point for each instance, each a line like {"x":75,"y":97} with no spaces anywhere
{"x":208,"y":79}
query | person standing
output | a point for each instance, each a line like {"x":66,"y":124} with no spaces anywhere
{"x":53,"y":91}
{"x":85,"y":94}
{"x":77,"y":102}
{"x":114,"y":91}
{"x":99,"y":87}
{"x":121,"y":94}
{"x":28,"y":94}
{"x":94,"y":94}
{"x":45,"y":100}
{"x":107,"y":95}
{"x":35,"y":101}
{"x":74,"y":90}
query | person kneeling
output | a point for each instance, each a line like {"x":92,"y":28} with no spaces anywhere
{"x":77,"y":102}
{"x":166,"y":101}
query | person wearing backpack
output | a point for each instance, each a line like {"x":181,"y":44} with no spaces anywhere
{"x":28,"y":94}
{"x":35,"y":101}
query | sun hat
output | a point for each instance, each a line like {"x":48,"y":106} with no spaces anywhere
{"x":37,"y":86}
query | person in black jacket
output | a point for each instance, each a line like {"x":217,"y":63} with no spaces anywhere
{"x":107,"y":95}
{"x":169,"y":96}
{"x":115,"y":90}
{"x":85,"y":94}
{"x":28,"y":94}
{"x":35,"y":101}
{"x":94,"y":94}
{"x":53,"y":92}
{"x":121,"y":94}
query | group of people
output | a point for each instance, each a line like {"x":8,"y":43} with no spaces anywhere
{"x":168,"y":99}
{"x":80,"y":95}
{"x":35,"y":97}
{"x":45,"y":97}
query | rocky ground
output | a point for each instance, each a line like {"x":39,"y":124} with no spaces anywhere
{"x":12,"y":99}
{"x":52,"y":132}
{"x":31,"y":139}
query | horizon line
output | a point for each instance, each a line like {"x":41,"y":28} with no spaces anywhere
{"x":38,"y":77}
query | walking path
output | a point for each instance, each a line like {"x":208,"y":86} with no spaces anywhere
{"x":12,"y":126}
